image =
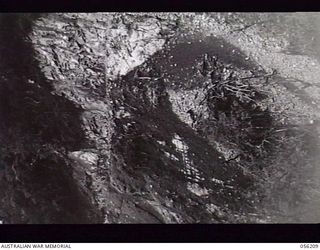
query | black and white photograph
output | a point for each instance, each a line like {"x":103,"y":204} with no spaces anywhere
{"x":159,"y":118}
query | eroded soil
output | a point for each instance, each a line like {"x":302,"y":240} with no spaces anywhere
{"x":204,"y":118}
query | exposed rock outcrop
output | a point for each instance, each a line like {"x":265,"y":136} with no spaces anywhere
{"x":152,"y":118}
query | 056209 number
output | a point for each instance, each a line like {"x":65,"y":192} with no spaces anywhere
{"x":309,"y":245}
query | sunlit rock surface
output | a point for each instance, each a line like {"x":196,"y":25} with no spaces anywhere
{"x":158,"y":118}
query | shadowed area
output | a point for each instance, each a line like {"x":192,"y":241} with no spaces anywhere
{"x":37,"y":129}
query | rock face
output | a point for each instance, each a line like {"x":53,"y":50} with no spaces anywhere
{"x":149,"y":118}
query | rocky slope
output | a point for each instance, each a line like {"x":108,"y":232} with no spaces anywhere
{"x":156,"y":118}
